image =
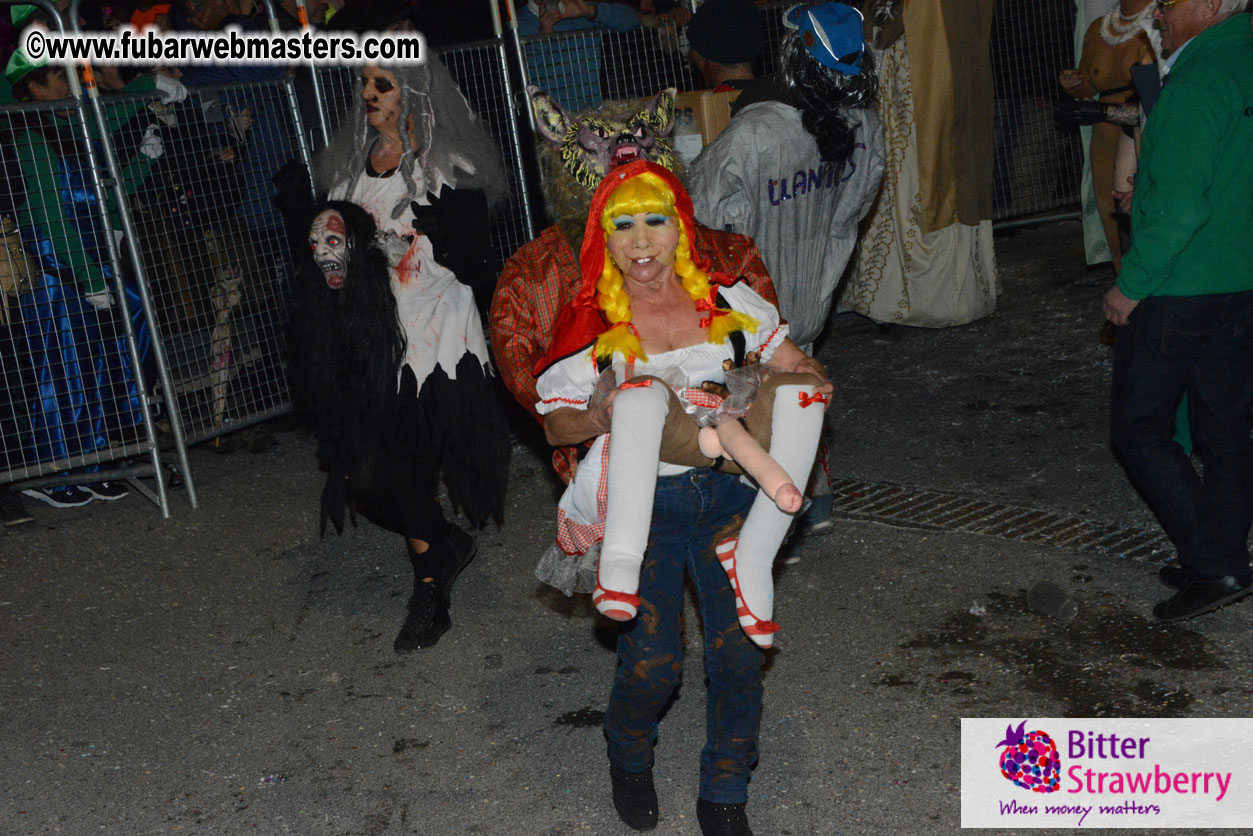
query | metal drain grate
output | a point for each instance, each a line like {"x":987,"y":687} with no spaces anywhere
{"x":915,"y":507}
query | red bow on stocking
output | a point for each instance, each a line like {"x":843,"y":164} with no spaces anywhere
{"x":816,"y":397}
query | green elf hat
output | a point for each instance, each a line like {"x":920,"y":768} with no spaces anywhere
{"x":20,"y":64}
{"x":20,"y":14}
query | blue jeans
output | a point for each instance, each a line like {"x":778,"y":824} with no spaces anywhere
{"x":1201,"y":345}
{"x":692,"y":513}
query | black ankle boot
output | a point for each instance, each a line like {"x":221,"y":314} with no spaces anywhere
{"x":428,"y":617}
{"x":634,"y":797}
{"x":722,"y":819}
{"x":433,"y":574}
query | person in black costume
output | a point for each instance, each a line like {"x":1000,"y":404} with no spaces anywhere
{"x":384,"y":437}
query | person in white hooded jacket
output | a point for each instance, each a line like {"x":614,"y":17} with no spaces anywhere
{"x":796,"y":169}
{"x":800,"y":163}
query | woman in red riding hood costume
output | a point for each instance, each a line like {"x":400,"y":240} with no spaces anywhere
{"x":655,"y":493}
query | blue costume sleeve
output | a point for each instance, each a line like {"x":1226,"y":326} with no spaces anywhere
{"x":528,"y":23}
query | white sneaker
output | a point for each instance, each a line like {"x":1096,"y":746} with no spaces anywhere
{"x":66,"y":496}
{"x":108,"y":491}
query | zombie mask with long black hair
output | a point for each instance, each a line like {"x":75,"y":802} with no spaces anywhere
{"x":346,"y":340}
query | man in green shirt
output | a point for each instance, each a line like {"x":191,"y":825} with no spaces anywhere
{"x":1183,"y":305}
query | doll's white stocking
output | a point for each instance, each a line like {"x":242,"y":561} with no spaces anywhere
{"x":748,"y":559}
{"x":639,"y":414}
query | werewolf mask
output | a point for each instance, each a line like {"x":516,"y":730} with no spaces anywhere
{"x":581,"y":149}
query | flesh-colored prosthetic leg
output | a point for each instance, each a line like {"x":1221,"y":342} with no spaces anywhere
{"x":639,"y":413}
{"x":731,"y":439}
{"x":795,"y":429}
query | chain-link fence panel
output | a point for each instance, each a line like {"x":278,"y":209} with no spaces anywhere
{"x":340,"y":87}
{"x":772,"y":32}
{"x":585,"y":68}
{"x":481,"y":72}
{"x":75,"y":351}
{"x":639,"y":63}
{"x":1038,"y":165}
{"x":567,"y":66}
{"x":215,"y":246}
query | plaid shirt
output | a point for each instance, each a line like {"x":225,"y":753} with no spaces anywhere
{"x":542,"y":277}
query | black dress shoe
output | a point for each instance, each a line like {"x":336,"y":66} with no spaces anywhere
{"x":722,"y":819}
{"x":634,"y":797}
{"x":1174,"y":575}
{"x":1202,"y":596}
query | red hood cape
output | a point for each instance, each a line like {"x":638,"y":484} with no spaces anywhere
{"x":581,"y":322}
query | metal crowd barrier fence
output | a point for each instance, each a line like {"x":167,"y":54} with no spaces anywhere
{"x":773,"y":31}
{"x":1038,"y":166}
{"x":79,"y":356}
{"x":587,"y":67}
{"x":215,"y":248}
{"x":481,"y":70}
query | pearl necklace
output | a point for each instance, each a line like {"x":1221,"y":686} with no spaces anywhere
{"x":1117,"y":28}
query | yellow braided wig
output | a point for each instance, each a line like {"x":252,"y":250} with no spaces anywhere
{"x":647,"y":193}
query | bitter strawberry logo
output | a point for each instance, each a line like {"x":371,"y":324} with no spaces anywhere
{"x":1030,"y":759}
